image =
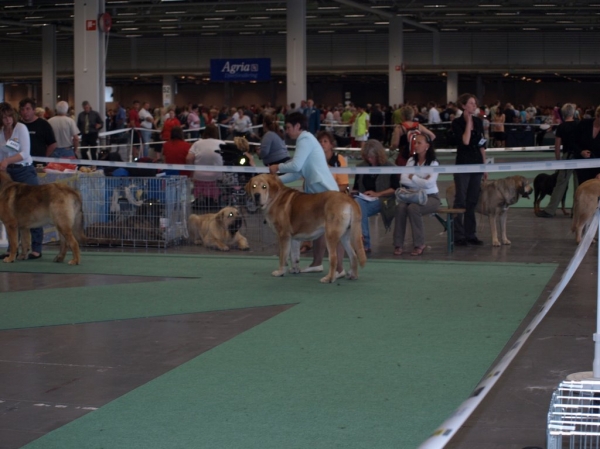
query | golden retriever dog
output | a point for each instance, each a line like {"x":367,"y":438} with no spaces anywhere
{"x":295,"y":217}
{"x":23,"y":207}
{"x":220,"y":230}
{"x":495,"y":199}
{"x":585,"y":206}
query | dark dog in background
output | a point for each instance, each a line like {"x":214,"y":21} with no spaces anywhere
{"x":543,"y":185}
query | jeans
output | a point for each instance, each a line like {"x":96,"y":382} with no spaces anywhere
{"x":28,"y":176}
{"x":62,"y":152}
{"x":468,"y":188}
{"x":367,"y":209}
{"x":146,"y":138}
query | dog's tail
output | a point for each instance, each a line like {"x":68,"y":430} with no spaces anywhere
{"x":356,"y":235}
{"x":78,"y":222}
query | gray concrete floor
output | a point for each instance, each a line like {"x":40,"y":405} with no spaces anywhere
{"x":514,"y":414}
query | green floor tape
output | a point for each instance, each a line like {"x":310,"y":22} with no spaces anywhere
{"x":375,"y":363}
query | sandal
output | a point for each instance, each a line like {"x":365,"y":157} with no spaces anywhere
{"x":418,"y":250}
{"x":398,"y":251}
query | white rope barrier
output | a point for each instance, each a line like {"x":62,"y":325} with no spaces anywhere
{"x":442,"y":435}
{"x":443,"y":169}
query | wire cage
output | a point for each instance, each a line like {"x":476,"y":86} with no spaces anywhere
{"x":574,"y":416}
{"x":135,"y":211}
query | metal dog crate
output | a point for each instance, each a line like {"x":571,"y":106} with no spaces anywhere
{"x":132,"y":211}
{"x":574,"y":416}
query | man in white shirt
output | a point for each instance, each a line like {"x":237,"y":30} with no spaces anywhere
{"x":66,"y":132}
{"x":433,"y":116}
{"x":146,"y":122}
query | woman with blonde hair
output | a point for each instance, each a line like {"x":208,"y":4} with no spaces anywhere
{"x":372,"y":189}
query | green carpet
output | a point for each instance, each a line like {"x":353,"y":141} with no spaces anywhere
{"x":375,"y":363}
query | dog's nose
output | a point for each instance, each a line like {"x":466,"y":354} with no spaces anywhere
{"x":257,"y":197}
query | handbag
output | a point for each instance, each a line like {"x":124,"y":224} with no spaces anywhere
{"x":404,"y":195}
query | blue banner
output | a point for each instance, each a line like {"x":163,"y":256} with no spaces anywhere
{"x":258,"y":69}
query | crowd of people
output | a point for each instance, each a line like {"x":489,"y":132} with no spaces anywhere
{"x":172,"y":135}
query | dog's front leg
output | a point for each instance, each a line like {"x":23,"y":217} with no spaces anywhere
{"x":13,"y":241}
{"x":284,"y":253}
{"x":503,"y":217}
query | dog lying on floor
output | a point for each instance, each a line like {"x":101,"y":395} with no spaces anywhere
{"x":584,"y":208}
{"x":220,"y":230}
{"x":543,"y":185}
{"x":23,"y":207}
{"x":495,"y":199}
{"x":295,"y":217}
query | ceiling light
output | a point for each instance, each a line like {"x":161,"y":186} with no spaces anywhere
{"x":71,"y":3}
{"x":225,"y":10}
{"x":455,"y":14}
{"x":253,"y":25}
{"x":175,"y":12}
{"x":130,"y":29}
{"x":382,"y":23}
{"x":211,"y":26}
{"x":34,"y":17}
{"x":429,"y":22}
{"x":214,"y":18}
{"x":208,"y":34}
{"x":489,"y":5}
{"x":366,"y":31}
{"x":381,"y":7}
{"x":133,"y":35}
{"x":530,"y":29}
{"x":335,"y":24}
{"x":14,"y":6}
{"x":260,"y":18}
{"x":449,"y":29}
{"x":168,"y":20}
{"x":325,"y":31}
{"x":247,"y":32}
{"x":573,"y":29}
{"x":538,"y":81}
{"x":328,"y":7}
{"x":15,"y":32}
{"x":127,"y":14}
{"x":168,"y":28}
{"x":170,"y":34}
{"x":276,"y":9}
{"x":565,"y":21}
{"x":354,"y":15}
{"x":507,"y":13}
{"x":124,"y":21}
{"x":556,"y":13}
{"x":434,"y":6}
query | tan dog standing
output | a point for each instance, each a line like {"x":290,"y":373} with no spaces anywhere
{"x":23,"y":207}
{"x":585,"y":206}
{"x":220,"y":230}
{"x":495,"y":199}
{"x":295,"y":216}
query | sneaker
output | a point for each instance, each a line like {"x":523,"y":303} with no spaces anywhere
{"x":543,"y":214}
{"x":340,"y":274}
{"x":474,"y":241}
{"x":317,"y":269}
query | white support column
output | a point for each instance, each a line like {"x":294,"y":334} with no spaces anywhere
{"x":89,"y":55}
{"x":48,"y":67}
{"x":396,"y":61}
{"x":169,"y":90}
{"x":296,"y":51}
{"x":452,"y":87}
